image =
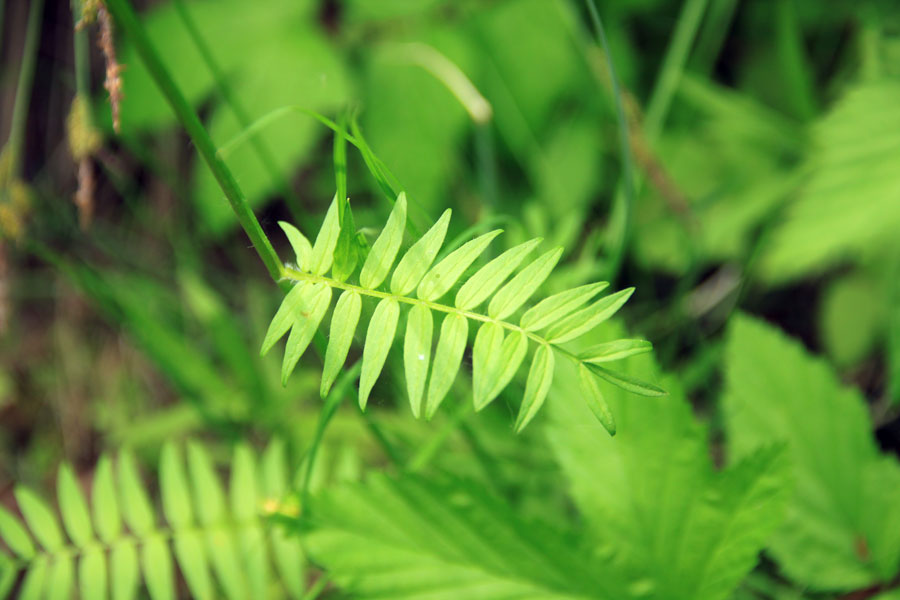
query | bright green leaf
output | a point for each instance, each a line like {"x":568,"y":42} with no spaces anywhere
{"x":209,"y":498}
{"x":107,"y":519}
{"x":417,"y":354}
{"x":14,"y":535}
{"x":74,"y":508}
{"x":512,"y":353}
{"x":521,"y":287}
{"x":379,"y":338}
{"x":418,"y":258}
{"x":35,"y":579}
{"x":615,"y":350}
{"x":540,"y":376}
{"x":302,"y":247}
{"x":627,"y":382}
{"x":123,"y":570}
{"x":243,"y":485}
{"x":323,"y":249}
{"x":40,"y":519}
{"x":582,"y":321}
{"x":447,"y":359}
{"x":594,"y":399}
{"x":486,"y":362}
{"x":492,"y":275}
{"x":192,"y":559}
{"x":61,"y":580}
{"x":381,"y":257}
{"x":444,"y":275}
{"x":156,"y":563}
{"x":552,"y":309}
{"x":92,"y":574}
{"x":135,"y":503}
{"x":343,"y":327}
{"x":176,"y":498}
{"x":307,"y":317}
{"x":284,"y":317}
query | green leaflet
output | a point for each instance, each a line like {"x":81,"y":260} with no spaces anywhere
{"x":492,"y":275}
{"x":75,"y":516}
{"x":381,"y":257}
{"x":540,"y":376}
{"x":191,"y":556}
{"x":307,"y":316}
{"x":615,"y":350}
{"x":322,"y":254}
{"x":418,"y":258}
{"x":594,"y":399}
{"x":156,"y":563}
{"x":40,"y":519}
{"x":521,"y":287}
{"x":512,"y":353}
{"x":14,"y":534}
{"x":207,"y":491}
{"x":343,"y":326}
{"x":379,"y":338}
{"x":552,"y":309}
{"x":447,"y":359}
{"x":417,"y":354}
{"x":243,"y":484}
{"x":61,"y":581}
{"x":444,"y":275}
{"x":302,"y":247}
{"x":173,"y":484}
{"x":123,"y":570}
{"x":627,"y":382}
{"x":107,"y":519}
{"x":486,"y":362}
{"x":135,"y":502}
{"x":284,"y":318}
{"x":92,"y":573}
{"x":584,"y":320}
{"x":33,"y":586}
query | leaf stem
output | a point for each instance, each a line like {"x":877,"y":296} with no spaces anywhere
{"x":127,"y":19}
{"x":23,"y":89}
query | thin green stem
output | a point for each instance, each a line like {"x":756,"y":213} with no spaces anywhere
{"x":128,"y":21}
{"x":82,"y":56}
{"x":23,"y":88}
{"x":243,"y":117}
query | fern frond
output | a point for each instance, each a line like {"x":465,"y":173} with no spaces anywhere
{"x":222,"y":544}
{"x":501,"y":343}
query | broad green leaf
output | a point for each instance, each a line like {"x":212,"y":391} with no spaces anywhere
{"x":379,"y":338}
{"x":417,"y":354}
{"x":323,"y":249}
{"x":243,"y":485}
{"x":208,"y":496}
{"x":381,"y":257}
{"x":582,"y":321}
{"x":447,"y":359}
{"x":552,"y":309}
{"x":135,"y":502}
{"x":61,"y":580}
{"x":492,"y":275}
{"x":40,"y":519}
{"x":343,"y":327}
{"x":840,"y":529}
{"x":35,"y":579}
{"x":107,"y":519}
{"x":540,"y":376}
{"x":615,"y":350}
{"x":92,"y":574}
{"x":486,"y":362}
{"x":123,"y":570}
{"x":651,"y":497}
{"x":191,"y":555}
{"x":594,"y":399}
{"x":156,"y":563}
{"x":14,"y":535}
{"x":223,"y":554}
{"x":412,"y":539}
{"x":418,"y":258}
{"x":284,"y":316}
{"x":75,"y":516}
{"x":302,"y":247}
{"x":512,"y":353}
{"x":627,"y":382}
{"x":444,"y":275}
{"x":307,"y":318}
{"x":520,"y":288}
{"x":173,"y":483}
{"x":852,"y":318}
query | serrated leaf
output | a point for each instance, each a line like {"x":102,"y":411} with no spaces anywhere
{"x":307,"y":317}
{"x":40,"y":519}
{"x":418,"y":258}
{"x":540,"y":376}
{"x":627,"y":382}
{"x":381,"y":257}
{"x":14,"y":535}
{"x":323,"y":249}
{"x":520,"y":288}
{"x":343,"y":327}
{"x":512,"y":353}
{"x":486,"y":362}
{"x":379,"y":338}
{"x":75,"y":516}
{"x":136,"y":506}
{"x":584,"y":320}
{"x":444,"y":275}
{"x":123,"y":570}
{"x":284,"y":316}
{"x":191,"y":555}
{"x":35,"y":579}
{"x":61,"y":579}
{"x":302,"y":247}
{"x":208,"y":496}
{"x":176,"y":498}
{"x":107,"y":519}
{"x":615,"y":350}
{"x":156,"y":563}
{"x":447,"y":359}
{"x":92,"y":574}
{"x":552,"y":309}
{"x":242,"y":487}
{"x":594,"y":399}
{"x":417,"y":354}
{"x":492,"y":275}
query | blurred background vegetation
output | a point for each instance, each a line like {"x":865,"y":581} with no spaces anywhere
{"x":765,"y":147}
